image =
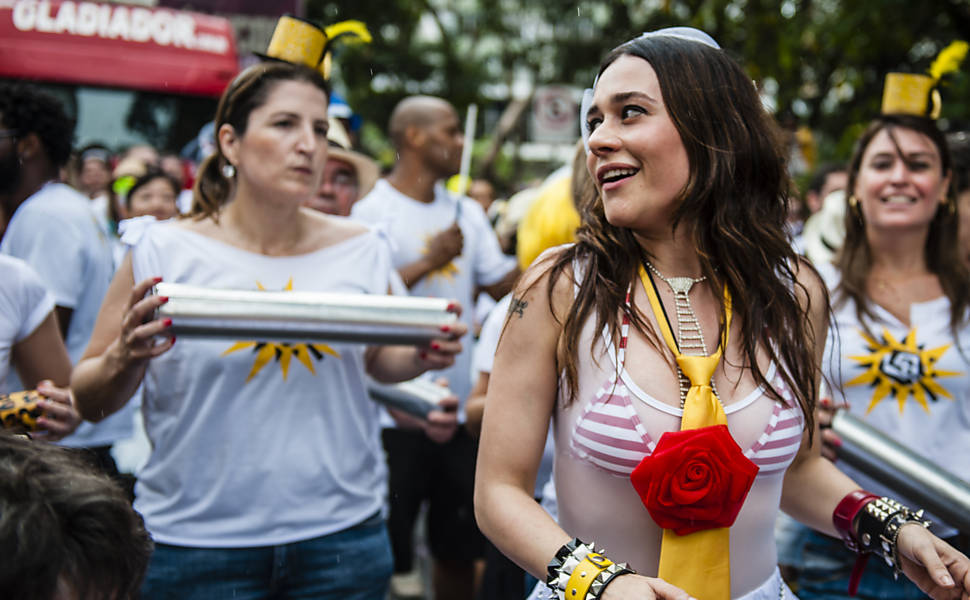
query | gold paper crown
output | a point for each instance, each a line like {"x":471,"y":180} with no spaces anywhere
{"x":917,"y":94}
{"x":301,"y":42}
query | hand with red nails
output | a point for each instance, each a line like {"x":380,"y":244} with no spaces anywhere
{"x":391,"y":364}
{"x":60,"y":418}
{"x":440,"y":353}
{"x":830,"y":440}
{"x":139,"y":339}
{"x":119,"y":351}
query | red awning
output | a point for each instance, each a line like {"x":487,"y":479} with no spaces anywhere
{"x":114,"y":45}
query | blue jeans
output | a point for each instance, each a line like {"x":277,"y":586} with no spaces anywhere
{"x":827,"y":564}
{"x":353,"y":564}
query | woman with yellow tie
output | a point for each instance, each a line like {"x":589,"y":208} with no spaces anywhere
{"x":676,"y":348}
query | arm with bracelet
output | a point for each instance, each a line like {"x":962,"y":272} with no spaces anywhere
{"x":525,"y":368}
{"x":818,"y":494}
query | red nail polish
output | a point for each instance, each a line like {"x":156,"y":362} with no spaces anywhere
{"x":163,"y":299}
{"x":167,"y":322}
{"x":836,"y":442}
{"x":445,"y":328}
{"x":451,"y":306}
{"x":157,"y":279}
{"x":435,"y":346}
{"x":423,"y":355}
{"x":173,"y":340}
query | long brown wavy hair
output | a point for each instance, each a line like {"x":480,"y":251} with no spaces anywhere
{"x":247,"y":92}
{"x":942,"y":250}
{"x":734,"y":204}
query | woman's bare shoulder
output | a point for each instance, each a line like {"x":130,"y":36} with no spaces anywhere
{"x":543,"y":274}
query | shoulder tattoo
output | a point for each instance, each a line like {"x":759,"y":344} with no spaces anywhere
{"x":517,"y":307}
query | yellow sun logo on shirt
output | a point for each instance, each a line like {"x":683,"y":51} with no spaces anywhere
{"x":448,"y":271}
{"x":901,"y":369}
{"x":282,"y":351}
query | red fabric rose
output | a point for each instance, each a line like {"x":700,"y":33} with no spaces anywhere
{"x":695,"y":479}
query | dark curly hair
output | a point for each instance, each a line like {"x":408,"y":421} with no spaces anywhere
{"x":61,"y":521}
{"x":26,"y":109}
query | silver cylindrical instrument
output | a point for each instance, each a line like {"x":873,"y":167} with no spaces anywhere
{"x":899,"y":468}
{"x":302,"y":316}
{"x":416,"y":397}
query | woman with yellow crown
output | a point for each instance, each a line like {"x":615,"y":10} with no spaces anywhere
{"x":676,"y":347}
{"x":266,"y":476}
{"x":899,"y":355}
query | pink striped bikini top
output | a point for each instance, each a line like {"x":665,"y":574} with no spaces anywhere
{"x":609,"y":434}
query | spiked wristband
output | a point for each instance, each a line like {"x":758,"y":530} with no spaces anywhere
{"x":869,"y":524}
{"x":579,"y":572}
{"x":878,"y":527}
{"x":846,"y":512}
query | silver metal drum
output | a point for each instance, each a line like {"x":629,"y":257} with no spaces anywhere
{"x":416,"y":397}
{"x":302,"y":316}
{"x":899,"y":468}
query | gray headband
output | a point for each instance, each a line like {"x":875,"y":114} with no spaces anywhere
{"x":683,"y":33}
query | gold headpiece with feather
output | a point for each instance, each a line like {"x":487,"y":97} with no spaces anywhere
{"x":917,"y":94}
{"x":301,"y":42}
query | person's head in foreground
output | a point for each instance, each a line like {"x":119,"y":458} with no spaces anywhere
{"x":68,"y":533}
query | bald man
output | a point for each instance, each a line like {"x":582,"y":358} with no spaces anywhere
{"x":445,"y":248}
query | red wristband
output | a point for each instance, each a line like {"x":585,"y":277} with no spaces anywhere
{"x":845,"y":513}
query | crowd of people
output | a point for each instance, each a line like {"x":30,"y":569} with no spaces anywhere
{"x":672,"y":327}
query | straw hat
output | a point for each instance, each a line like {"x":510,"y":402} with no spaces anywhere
{"x":340,"y":148}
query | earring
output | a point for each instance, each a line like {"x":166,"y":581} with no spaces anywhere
{"x":228,"y":171}
{"x":854,"y":208}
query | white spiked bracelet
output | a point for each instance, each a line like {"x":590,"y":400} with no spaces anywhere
{"x":580,"y":572}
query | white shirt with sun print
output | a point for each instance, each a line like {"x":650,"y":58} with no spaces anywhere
{"x":909,"y":381}
{"x":256,"y":442}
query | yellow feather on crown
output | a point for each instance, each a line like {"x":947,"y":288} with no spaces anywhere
{"x":949,"y":59}
{"x":338,"y":30}
{"x":354,"y":28}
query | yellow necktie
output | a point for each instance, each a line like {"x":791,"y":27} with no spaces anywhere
{"x":699,"y":562}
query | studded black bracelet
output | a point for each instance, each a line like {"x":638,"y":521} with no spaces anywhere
{"x":878,"y":525}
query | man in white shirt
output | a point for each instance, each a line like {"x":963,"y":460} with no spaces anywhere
{"x":445,"y":248}
{"x":53,"y":228}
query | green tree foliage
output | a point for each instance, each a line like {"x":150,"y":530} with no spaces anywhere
{"x":822,"y":61}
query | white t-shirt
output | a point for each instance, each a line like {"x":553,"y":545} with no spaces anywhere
{"x":910,"y":382}
{"x":411,"y":224}
{"x":57,"y":233}
{"x":258,"y":443}
{"x":484,"y":355}
{"x":24,"y":304}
